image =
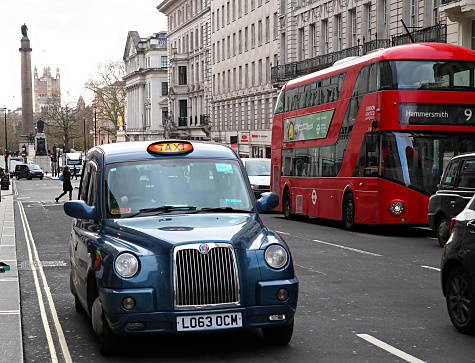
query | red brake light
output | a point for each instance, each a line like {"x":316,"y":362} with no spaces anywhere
{"x":452,"y":224}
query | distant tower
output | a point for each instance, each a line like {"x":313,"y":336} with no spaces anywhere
{"x":46,"y":87}
{"x":26,"y":85}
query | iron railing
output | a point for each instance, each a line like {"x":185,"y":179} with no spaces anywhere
{"x":282,"y":73}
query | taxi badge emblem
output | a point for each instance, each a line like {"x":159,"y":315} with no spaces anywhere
{"x":204,"y":248}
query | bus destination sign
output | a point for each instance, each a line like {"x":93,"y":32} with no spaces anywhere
{"x":436,"y":114}
{"x":311,"y":126}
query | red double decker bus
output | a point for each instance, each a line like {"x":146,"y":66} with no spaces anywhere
{"x":366,"y":140}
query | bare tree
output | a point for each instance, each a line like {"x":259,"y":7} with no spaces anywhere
{"x":109,"y":94}
{"x":61,"y":120}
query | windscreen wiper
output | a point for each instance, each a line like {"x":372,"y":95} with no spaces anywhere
{"x":163,"y":209}
{"x":223,"y":209}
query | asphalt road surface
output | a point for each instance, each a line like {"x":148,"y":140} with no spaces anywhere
{"x":367,"y":296}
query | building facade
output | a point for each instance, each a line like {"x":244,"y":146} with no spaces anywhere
{"x":244,"y":42}
{"x":189,"y":68}
{"x":146,"y":84}
{"x":460,"y":22}
{"x":46,"y":86}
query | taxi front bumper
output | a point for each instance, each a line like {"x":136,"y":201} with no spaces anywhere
{"x":144,"y":319}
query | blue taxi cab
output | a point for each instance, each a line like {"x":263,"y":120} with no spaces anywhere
{"x":166,"y":238}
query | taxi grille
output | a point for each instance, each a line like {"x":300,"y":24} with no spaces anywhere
{"x":206,"y":280}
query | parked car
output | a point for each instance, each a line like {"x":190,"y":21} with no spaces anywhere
{"x":167,"y":238}
{"x":456,"y":187}
{"x":258,"y":170}
{"x":458,"y":270}
{"x":28,"y":171}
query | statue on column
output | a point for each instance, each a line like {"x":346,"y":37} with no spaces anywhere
{"x":24,"y":28}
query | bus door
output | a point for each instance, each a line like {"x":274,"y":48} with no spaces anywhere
{"x":366,"y":185}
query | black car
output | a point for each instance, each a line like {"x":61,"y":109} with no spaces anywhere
{"x":28,"y":171}
{"x":456,"y":187}
{"x":458,"y":270}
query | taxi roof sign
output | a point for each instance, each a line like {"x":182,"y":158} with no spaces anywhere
{"x":170,"y":147}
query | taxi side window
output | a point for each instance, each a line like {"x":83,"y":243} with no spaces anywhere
{"x":92,"y":190}
{"x":448,"y":178}
{"x":84,"y":190}
{"x":467,"y":175}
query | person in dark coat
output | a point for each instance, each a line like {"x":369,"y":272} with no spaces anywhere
{"x":67,"y":186}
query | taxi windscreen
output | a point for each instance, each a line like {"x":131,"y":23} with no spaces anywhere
{"x":137,"y":188}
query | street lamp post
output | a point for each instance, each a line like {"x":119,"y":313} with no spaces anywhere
{"x":6,"y":156}
{"x":85,"y":140}
{"x":95,"y":125}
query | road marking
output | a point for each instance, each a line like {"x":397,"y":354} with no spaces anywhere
{"x":431,"y":237}
{"x":279,"y":232}
{"x":32,"y":246}
{"x":389,"y":348}
{"x":9,"y":312}
{"x":348,"y":248}
{"x":431,"y":268}
{"x":9,"y":279}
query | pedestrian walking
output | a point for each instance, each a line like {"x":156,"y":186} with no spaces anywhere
{"x":75,"y":174}
{"x":67,"y":186}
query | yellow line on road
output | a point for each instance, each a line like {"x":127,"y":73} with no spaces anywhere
{"x":59,"y":330}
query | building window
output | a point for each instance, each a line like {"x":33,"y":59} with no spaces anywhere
{"x":239,"y":8}
{"x":338,"y":35}
{"x":301,"y":43}
{"x":240,"y":41}
{"x":282,"y":7}
{"x":228,"y":12}
{"x":246,"y":75}
{"x":182,"y":75}
{"x":253,"y":36}
{"x":253,"y":74}
{"x":368,"y":10}
{"x":164,"y":88}
{"x":245,"y":7}
{"x":312,"y":41}
{"x":259,"y":71}
{"x":325,"y":36}
{"x":353,"y":27}
{"x":217,"y":19}
{"x":276,"y":26}
{"x":164,"y":62}
{"x":240,"y":77}
{"x":229,"y":46}
{"x":434,"y":13}
{"x":246,"y":37}
{"x":234,"y":44}
{"x":413,"y":13}
{"x":253,"y":4}
{"x":259,"y":33}
{"x":164,"y":115}
{"x":267,"y":29}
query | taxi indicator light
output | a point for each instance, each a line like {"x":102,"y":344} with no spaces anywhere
{"x":170,"y":148}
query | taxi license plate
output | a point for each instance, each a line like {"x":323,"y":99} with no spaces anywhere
{"x":211,"y":321}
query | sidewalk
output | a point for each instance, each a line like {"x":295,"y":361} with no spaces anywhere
{"x":11,"y":346}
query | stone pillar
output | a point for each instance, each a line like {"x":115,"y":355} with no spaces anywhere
{"x":26,"y":87}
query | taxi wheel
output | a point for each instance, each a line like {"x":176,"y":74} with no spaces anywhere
{"x":77,"y":305}
{"x":278,"y":335}
{"x":17,"y":177}
{"x":109,"y":345}
{"x":443,"y":231}
{"x":460,"y":299}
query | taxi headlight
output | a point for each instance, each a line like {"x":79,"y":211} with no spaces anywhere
{"x":276,"y":256}
{"x":126,"y":265}
{"x":396,"y":207}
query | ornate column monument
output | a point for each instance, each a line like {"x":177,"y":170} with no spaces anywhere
{"x":26,"y":87}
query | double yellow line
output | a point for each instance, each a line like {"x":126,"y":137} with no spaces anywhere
{"x":35,"y":264}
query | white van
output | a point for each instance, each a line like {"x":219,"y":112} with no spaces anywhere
{"x":258,"y":170}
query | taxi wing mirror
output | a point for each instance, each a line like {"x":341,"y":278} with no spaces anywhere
{"x":80,"y":210}
{"x":267,"y":201}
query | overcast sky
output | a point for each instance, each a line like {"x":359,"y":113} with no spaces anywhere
{"x":71,"y":35}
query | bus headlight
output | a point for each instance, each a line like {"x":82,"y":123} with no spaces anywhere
{"x":276,"y":256}
{"x":126,"y":265}
{"x":396,"y":207}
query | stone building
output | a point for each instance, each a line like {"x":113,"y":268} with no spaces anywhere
{"x":46,"y":86}
{"x":189,"y":67}
{"x":146,"y":84}
{"x":244,"y":47}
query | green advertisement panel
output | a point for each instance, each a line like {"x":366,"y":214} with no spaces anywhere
{"x":312,"y":126}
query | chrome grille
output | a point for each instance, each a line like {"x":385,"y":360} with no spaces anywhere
{"x":206,"y":280}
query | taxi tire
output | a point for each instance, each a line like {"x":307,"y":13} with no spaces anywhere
{"x":109,"y":346}
{"x":442,"y":230}
{"x":278,"y":335}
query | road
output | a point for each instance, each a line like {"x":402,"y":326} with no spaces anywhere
{"x":372,"y":295}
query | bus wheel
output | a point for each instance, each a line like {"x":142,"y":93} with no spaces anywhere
{"x":442,"y":231}
{"x":286,"y":205}
{"x":349,"y":212}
